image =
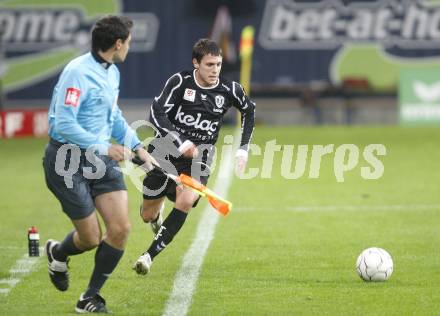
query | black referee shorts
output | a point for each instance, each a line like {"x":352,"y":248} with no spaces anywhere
{"x":77,"y":198}
{"x":157,"y":185}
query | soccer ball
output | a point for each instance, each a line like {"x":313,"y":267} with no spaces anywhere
{"x":374,"y":264}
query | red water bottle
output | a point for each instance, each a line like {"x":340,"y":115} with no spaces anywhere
{"x":33,"y":242}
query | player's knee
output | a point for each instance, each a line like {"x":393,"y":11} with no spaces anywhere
{"x":185,"y":201}
{"x":120,"y":232}
{"x":185,"y":204}
{"x":148,"y":216}
{"x":150,"y":210}
{"x":90,"y":241}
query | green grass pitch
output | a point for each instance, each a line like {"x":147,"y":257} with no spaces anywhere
{"x":288,"y":247}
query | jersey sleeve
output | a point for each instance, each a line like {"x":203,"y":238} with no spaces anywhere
{"x":165,"y":103}
{"x":72,"y":91}
{"x":247,"y":109}
{"x":122,"y":132}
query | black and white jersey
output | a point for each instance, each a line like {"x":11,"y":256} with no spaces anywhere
{"x":189,"y":111}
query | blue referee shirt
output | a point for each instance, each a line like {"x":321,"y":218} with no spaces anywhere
{"x":84,"y":107}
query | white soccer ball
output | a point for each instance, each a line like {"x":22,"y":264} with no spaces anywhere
{"x":374,"y":264}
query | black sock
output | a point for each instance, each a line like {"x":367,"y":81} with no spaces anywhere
{"x":167,"y":231}
{"x":66,"y":248}
{"x":106,"y":260}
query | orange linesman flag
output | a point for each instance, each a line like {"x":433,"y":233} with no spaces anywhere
{"x":221,"y":205}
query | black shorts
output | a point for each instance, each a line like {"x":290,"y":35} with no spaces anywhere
{"x":77,"y":192}
{"x":157,"y":185}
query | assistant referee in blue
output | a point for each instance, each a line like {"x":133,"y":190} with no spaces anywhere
{"x":83,"y":117}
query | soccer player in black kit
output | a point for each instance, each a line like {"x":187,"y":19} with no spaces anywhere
{"x":189,"y":111}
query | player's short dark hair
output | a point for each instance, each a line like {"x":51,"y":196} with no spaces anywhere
{"x":205,"y":46}
{"x":108,"y":30}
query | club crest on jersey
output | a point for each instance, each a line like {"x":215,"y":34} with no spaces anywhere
{"x":189,"y":95}
{"x":219,"y":100}
{"x":72,"y":97}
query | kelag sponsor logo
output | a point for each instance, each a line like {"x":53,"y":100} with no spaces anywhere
{"x":329,"y":24}
{"x":189,"y":120}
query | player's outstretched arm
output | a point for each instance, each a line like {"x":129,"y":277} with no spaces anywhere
{"x":122,"y":132}
{"x":247,"y":109}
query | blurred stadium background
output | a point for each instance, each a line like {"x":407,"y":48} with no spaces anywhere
{"x":314,"y":62}
{"x":288,"y":247}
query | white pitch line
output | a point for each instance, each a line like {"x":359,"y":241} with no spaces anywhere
{"x":186,"y":278}
{"x":21,"y":268}
{"x":10,"y":282}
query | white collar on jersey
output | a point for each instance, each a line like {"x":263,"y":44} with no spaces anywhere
{"x":201,"y":87}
